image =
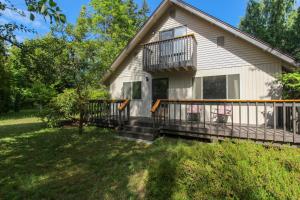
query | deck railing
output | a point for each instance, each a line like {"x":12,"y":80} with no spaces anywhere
{"x":107,"y":113}
{"x":261,"y":120}
{"x":177,"y":53}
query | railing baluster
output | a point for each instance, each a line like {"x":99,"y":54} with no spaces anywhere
{"x":256,"y":120}
{"x":294,"y":122}
{"x":248,"y":120}
{"x":284,"y":121}
{"x":174,"y":113}
{"x":180,"y":113}
{"x":240,"y":119}
{"x":232,"y":119}
{"x":265,"y":121}
{"x":210,"y":120}
{"x":204,"y":113}
{"x":198,"y":116}
{"x":274,"y":119}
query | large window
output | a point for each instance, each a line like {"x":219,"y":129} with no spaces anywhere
{"x":214,"y":87}
{"x":132,"y":90}
{"x":217,"y":87}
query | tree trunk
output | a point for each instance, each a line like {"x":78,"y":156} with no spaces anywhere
{"x":80,"y":119}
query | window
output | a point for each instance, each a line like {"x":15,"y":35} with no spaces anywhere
{"x":132,"y":90}
{"x":217,"y":87}
{"x":137,"y":90}
{"x":214,"y":87}
{"x":221,"y":41}
{"x":233,"y":86}
{"x":127,"y":90}
{"x":170,"y":50}
{"x":173,"y":33}
{"x":197,"y":88}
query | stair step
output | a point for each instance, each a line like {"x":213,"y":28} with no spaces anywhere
{"x":140,"y":123}
{"x":141,"y":129}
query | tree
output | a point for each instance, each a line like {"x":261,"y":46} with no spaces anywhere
{"x":46,"y":8}
{"x":82,"y":63}
{"x":5,"y":81}
{"x":144,"y":12}
{"x":36,"y":71}
{"x":272,"y":21}
{"x":115,"y":23}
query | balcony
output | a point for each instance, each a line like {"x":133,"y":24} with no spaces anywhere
{"x":169,"y":55}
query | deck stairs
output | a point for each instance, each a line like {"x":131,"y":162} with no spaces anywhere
{"x":138,"y":129}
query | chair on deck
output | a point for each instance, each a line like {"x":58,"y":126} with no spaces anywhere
{"x":222,"y":113}
{"x":193,"y":112}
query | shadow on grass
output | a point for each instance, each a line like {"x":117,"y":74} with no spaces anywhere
{"x":60,"y":164}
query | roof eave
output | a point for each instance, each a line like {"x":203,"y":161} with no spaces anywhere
{"x":235,"y":31}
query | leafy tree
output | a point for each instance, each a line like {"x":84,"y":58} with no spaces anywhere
{"x":35,"y":68}
{"x":5,"y":81}
{"x":115,"y":23}
{"x":82,"y":66}
{"x":272,"y":21}
{"x":46,"y":8}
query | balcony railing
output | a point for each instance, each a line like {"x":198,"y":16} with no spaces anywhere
{"x":172,"y":54}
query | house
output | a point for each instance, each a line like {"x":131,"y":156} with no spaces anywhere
{"x":182,"y":54}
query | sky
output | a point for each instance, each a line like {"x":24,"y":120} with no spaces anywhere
{"x":230,"y":11}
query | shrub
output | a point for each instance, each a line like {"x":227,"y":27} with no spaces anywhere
{"x":62,"y":107}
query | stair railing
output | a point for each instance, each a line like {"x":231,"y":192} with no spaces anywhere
{"x":107,"y":113}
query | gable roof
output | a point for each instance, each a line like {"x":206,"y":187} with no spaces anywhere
{"x":213,"y":20}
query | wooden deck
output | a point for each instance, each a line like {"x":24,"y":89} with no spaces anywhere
{"x":264,"y":121}
{"x":221,"y":131}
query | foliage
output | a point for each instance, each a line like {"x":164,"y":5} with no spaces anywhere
{"x":99,"y":93}
{"x":291,"y":85}
{"x":37,"y":68}
{"x":49,"y":163}
{"x":62,"y":107}
{"x":275,"y":22}
{"x":46,"y":8}
{"x":65,"y":107}
{"x":114,"y":23}
{"x":5,"y":86}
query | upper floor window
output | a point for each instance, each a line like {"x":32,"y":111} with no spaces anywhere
{"x":173,"y":33}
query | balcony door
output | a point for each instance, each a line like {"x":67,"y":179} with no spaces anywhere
{"x":171,"y":50}
{"x":160,"y":89}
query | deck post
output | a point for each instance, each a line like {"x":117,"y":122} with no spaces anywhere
{"x":294,"y":122}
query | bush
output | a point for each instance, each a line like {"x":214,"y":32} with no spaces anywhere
{"x":226,"y":171}
{"x":63,"y":107}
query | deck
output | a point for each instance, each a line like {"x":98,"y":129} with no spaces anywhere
{"x":264,"y":121}
{"x":220,"y":131}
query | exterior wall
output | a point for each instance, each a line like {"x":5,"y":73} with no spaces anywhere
{"x":257,"y":68}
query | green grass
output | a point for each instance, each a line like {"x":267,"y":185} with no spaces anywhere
{"x":42,"y":163}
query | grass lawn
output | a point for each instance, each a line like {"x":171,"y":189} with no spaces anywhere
{"x":45,"y":163}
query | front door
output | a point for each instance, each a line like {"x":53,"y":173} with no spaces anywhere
{"x":160,"y":89}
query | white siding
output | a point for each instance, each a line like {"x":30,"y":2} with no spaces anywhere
{"x":257,"y":68}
